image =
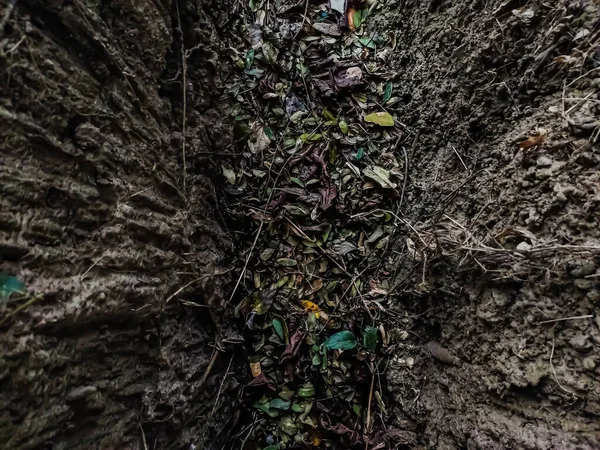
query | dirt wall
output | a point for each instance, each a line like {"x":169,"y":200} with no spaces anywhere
{"x":100,"y":226}
{"x":500,"y":265}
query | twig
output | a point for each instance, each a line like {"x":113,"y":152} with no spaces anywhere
{"x":237,"y":284}
{"x":459,"y":157}
{"x":588,"y":316}
{"x":303,"y":19}
{"x":368,"y":427}
{"x":221,"y":387}
{"x":144,"y":437}
{"x":184,"y":89}
{"x":554,"y":370}
{"x":20,"y":308}
{"x":195,"y":280}
{"x":210,"y":366}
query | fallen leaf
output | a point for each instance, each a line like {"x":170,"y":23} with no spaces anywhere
{"x":287,"y":262}
{"x":342,"y":340}
{"x":262,"y":380}
{"x":330,"y":29}
{"x":288,"y":426}
{"x":534,"y":141}
{"x":278,"y":403}
{"x":338,"y":5}
{"x":309,"y":306}
{"x":259,"y":139}
{"x":387,"y":93}
{"x":307,"y":390}
{"x":280,"y":328}
{"x":367,"y":42}
{"x":292,"y":349}
{"x":380,"y":175}
{"x":351,"y":12}
{"x":382,"y":118}
{"x":255,"y":369}
{"x":370,"y":338}
{"x":228,"y":173}
{"x":10,"y":285}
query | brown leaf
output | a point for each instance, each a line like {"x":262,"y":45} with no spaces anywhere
{"x":534,"y":141}
{"x":292,"y":349}
{"x":348,"y":78}
{"x":327,"y":28}
{"x":349,"y":437}
{"x":255,"y":369}
{"x":262,"y":380}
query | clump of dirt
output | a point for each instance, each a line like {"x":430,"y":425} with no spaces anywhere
{"x":100,"y":228}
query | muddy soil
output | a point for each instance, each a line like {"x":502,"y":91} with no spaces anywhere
{"x":98,"y":223}
{"x":107,"y":213}
{"x":501,"y":265}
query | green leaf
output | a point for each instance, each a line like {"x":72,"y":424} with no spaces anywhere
{"x":279,"y":327}
{"x":10,"y":285}
{"x":360,"y":153}
{"x":278,"y":403}
{"x":287,"y":425}
{"x":264,"y":407}
{"x":272,"y":447}
{"x":267,"y":253}
{"x":387,"y":94}
{"x":298,"y":407}
{"x":287,"y":262}
{"x":286,"y":394}
{"x":249,"y":58}
{"x":370,"y":338}
{"x":379,"y":175}
{"x":358,"y":18}
{"x":343,"y":126}
{"x":269,"y":133}
{"x":367,"y":42}
{"x":307,"y":390}
{"x":381,"y":118}
{"x":328,"y":115}
{"x":316,"y":360}
{"x":342,"y":340}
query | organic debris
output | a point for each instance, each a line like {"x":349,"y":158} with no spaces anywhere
{"x":318,"y":170}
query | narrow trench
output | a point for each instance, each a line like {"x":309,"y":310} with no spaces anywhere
{"x":377,"y":228}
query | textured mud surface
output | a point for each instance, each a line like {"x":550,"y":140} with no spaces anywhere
{"x":505,"y":241}
{"x":498,"y":265}
{"x":95,"y":219}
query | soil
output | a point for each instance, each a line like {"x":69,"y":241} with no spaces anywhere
{"x":480,"y":77}
{"x":496,"y":273}
{"x":96,"y":219}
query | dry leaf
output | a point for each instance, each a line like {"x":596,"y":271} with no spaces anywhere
{"x":534,"y":141}
{"x":382,"y":118}
{"x":255,"y":369}
{"x":330,"y":29}
{"x":351,"y":12}
{"x":338,"y":5}
{"x":309,"y":306}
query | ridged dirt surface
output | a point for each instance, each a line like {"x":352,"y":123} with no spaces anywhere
{"x":95,"y":219}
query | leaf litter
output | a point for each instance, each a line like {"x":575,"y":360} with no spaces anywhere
{"x":315,"y":183}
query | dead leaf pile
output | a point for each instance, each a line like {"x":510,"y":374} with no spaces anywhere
{"x":317,"y":174}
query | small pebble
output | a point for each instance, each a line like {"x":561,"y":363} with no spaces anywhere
{"x":544,"y":161}
{"x":584,"y":284}
{"x":440,"y":353}
{"x":589,"y":363}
